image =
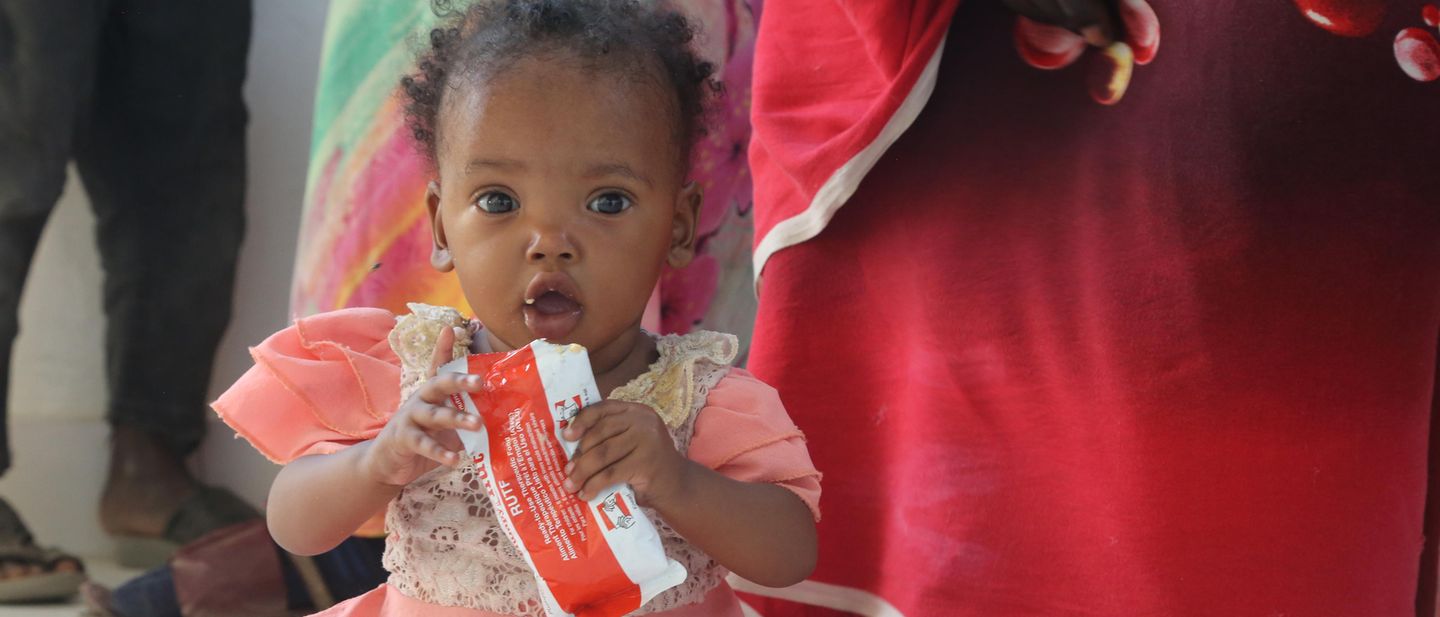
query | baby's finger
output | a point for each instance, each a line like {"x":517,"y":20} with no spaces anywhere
{"x":604,"y":479}
{"x":442,"y":417}
{"x":437,"y":390}
{"x":449,"y":440}
{"x":594,"y":470}
{"x":590,"y":416}
{"x":603,"y":429}
{"x":444,"y":350}
{"x":425,"y":446}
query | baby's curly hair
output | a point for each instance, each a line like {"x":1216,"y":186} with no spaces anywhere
{"x":486,"y":37}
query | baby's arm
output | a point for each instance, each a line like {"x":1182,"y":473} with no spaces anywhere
{"x":317,"y":501}
{"x":759,"y":531}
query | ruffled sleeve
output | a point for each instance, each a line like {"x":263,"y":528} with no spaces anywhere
{"x":325,"y":383}
{"x":744,"y":433}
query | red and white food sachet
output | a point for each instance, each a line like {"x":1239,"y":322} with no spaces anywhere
{"x":600,"y":558}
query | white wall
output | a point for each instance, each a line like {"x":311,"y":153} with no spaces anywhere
{"x":61,"y":323}
{"x":284,"y":67}
{"x":58,"y":426}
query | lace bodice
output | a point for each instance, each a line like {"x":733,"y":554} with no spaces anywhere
{"x":445,"y":545}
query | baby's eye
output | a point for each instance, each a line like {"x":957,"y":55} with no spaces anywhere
{"x":496,"y":202}
{"x":610,"y":203}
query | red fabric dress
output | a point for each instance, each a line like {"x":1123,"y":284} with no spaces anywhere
{"x":1176,"y":356}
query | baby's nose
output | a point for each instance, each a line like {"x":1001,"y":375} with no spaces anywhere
{"x":551,"y":245}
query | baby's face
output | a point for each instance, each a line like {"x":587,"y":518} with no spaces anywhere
{"x":559,"y":199}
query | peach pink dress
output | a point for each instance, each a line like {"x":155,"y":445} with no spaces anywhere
{"x":332,"y":380}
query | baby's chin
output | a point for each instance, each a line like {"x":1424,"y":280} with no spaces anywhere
{"x":511,"y":339}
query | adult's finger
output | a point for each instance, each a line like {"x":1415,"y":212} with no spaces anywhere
{"x":1093,"y":19}
{"x":1096,"y":20}
{"x":1044,"y":11}
{"x":1142,"y":29}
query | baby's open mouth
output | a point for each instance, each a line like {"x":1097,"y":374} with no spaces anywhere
{"x":553,"y":303}
{"x":551,"y":309}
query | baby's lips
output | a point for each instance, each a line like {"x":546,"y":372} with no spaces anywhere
{"x":1046,"y":47}
{"x":1108,"y":73}
{"x":1142,"y":29}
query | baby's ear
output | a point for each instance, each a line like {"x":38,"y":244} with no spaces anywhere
{"x":440,"y":258}
{"x":684,"y":227}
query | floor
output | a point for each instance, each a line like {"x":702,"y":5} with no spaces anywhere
{"x":54,"y":484}
{"x":102,"y":570}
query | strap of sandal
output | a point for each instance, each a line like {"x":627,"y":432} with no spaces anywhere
{"x":36,"y":555}
{"x":17,"y":544}
{"x":209,"y":509}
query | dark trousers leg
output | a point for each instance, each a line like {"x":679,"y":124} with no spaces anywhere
{"x":164,"y":165}
{"x":47,"y":66}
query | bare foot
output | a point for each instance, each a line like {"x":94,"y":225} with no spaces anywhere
{"x":146,"y":485}
{"x":97,"y":600}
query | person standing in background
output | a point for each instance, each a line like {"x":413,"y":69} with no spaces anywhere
{"x":1064,"y":348}
{"x":144,"y":96}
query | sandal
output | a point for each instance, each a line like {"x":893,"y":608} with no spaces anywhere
{"x":17,"y":546}
{"x":208,"y":509}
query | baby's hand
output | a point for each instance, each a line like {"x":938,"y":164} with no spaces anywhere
{"x":421,"y":434}
{"x":624,"y":442}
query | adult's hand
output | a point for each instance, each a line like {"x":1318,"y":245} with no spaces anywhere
{"x":1096,"y":20}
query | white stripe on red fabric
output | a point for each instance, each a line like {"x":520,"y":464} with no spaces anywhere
{"x":842,"y":184}
{"x":825,"y":595}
